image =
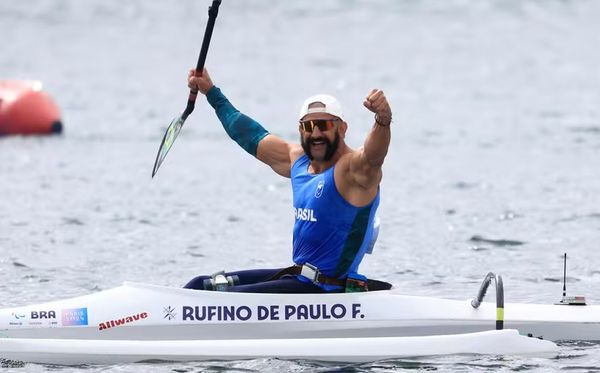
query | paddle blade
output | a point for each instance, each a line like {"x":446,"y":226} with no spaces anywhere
{"x":167,"y":142}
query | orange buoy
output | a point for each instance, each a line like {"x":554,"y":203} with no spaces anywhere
{"x":26,"y":110}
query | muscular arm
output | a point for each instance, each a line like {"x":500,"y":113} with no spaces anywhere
{"x":241,"y":128}
{"x":365,"y":164}
{"x":278,"y":154}
{"x":251,"y":136}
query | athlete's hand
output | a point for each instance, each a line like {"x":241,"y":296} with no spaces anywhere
{"x":378,"y":104}
{"x":199,"y":82}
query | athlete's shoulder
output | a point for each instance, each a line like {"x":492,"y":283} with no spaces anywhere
{"x":343,"y":164}
{"x":296,"y":152}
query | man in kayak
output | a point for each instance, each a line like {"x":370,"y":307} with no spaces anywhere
{"x":335,"y":192}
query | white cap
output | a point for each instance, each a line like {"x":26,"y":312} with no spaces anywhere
{"x":332,"y":106}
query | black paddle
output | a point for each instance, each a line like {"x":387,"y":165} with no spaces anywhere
{"x":177,"y":123}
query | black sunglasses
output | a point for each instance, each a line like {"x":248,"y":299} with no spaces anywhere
{"x":322,"y":124}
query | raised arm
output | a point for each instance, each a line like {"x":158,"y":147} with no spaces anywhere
{"x":247,"y":132}
{"x":365,"y":164}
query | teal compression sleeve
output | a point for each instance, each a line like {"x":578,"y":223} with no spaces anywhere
{"x":241,"y":128}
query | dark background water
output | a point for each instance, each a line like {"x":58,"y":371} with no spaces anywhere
{"x":493,"y":165}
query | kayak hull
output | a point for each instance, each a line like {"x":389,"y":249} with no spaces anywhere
{"x":355,"y":350}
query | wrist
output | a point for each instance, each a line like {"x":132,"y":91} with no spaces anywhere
{"x":214,"y":96}
{"x":205,"y":91}
{"x":383,"y":121}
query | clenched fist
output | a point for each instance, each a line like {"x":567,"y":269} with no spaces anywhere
{"x":378,"y":104}
{"x":199,"y":82}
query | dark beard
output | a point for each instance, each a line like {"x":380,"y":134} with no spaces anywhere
{"x":331,"y":146}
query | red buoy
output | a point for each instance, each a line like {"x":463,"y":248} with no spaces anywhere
{"x":26,"y":110}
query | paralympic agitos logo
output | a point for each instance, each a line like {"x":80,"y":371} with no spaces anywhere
{"x":122,"y":321}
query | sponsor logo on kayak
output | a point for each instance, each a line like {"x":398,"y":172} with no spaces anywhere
{"x":169,"y":312}
{"x":19,"y":316}
{"x":122,"y":321}
{"x":304,"y":214}
{"x":74,"y":317}
{"x":320,"y":311}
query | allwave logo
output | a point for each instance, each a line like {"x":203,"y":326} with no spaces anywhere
{"x":304,"y":214}
{"x":319,"y":190}
{"x":122,"y":321}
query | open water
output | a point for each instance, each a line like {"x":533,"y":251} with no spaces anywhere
{"x":494,"y":163}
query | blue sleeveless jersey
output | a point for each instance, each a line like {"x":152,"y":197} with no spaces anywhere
{"x":329,"y":232}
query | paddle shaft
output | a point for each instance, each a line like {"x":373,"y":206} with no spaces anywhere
{"x":213,"y":11}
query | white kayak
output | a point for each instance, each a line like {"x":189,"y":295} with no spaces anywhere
{"x":136,"y":322}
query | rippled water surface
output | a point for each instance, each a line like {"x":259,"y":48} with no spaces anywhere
{"x":494,"y":163}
